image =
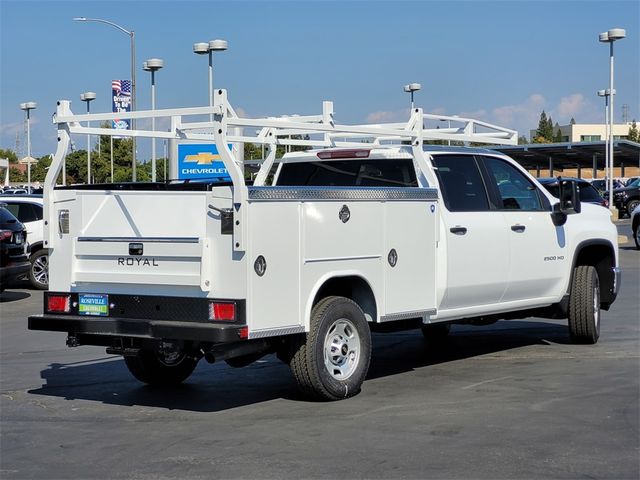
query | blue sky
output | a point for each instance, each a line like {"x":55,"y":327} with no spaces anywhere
{"x":501,"y":61}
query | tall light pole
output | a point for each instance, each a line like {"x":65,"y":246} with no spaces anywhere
{"x":132,"y":36}
{"x":606,"y":93}
{"x":609,"y":37}
{"x":153,"y":65}
{"x":411,"y":88}
{"x":87,"y":97}
{"x":213,"y":46}
{"x":27,"y":107}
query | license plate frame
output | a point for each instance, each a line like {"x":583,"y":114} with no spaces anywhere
{"x":93,"y":304}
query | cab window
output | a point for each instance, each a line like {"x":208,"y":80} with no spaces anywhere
{"x":514,"y":190}
{"x":461,"y":183}
{"x":349,"y":173}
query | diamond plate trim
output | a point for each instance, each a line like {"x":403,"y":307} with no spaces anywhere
{"x":272,"y":332}
{"x":336,"y":193}
{"x":407,"y":315}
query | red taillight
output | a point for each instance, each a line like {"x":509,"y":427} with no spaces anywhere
{"x":222,"y":312}
{"x":353,"y":153}
{"x":4,"y":234}
{"x":243,"y":333}
{"x":59,"y":303}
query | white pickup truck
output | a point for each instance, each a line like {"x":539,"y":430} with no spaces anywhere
{"x":371,"y":230}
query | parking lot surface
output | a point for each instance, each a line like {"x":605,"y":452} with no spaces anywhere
{"x":511,"y":400}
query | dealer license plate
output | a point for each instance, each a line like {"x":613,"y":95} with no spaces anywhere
{"x":93,"y":304}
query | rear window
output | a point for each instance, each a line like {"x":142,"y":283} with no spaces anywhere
{"x":588,"y":192}
{"x":5,"y":216}
{"x":349,"y":173}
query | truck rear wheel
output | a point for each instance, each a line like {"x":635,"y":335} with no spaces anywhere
{"x":584,"y":305}
{"x":331,"y":361}
{"x":156,"y":369}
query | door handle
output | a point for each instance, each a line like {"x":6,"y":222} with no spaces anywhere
{"x":518,"y":228}
{"x":458,"y":230}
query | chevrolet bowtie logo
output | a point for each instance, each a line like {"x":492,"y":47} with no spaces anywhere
{"x":202,"y":158}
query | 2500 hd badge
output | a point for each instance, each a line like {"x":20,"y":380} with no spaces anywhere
{"x":137,"y":262}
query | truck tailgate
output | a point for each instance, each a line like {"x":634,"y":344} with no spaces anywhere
{"x":129,"y":237}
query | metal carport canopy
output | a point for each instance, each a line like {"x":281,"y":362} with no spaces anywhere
{"x":559,"y":156}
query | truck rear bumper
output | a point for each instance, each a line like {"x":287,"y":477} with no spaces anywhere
{"x":139,"y":328}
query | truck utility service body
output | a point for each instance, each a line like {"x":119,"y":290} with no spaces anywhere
{"x":372,"y":229}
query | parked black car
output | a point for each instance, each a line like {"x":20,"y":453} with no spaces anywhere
{"x":601,"y":184}
{"x":14,"y":249}
{"x":588,"y":193}
{"x":626,"y":199}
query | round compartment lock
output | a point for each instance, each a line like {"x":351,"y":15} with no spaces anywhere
{"x":260,"y":266}
{"x":392,"y":257}
{"x":345,"y":214}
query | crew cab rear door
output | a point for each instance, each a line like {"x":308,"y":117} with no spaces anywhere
{"x":476,"y":240}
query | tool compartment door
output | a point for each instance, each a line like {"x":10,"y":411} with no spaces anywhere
{"x":410,"y":256}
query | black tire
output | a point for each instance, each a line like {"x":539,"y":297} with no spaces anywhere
{"x":337,"y":326}
{"x":436,"y":333}
{"x":584,"y":306}
{"x":632,"y":205}
{"x":636,"y":236}
{"x":39,"y":270}
{"x":149,"y":368}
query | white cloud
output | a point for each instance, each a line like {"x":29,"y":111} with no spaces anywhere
{"x":571,"y":105}
{"x":386,"y":117}
{"x":520,"y":115}
{"x":11,"y":129}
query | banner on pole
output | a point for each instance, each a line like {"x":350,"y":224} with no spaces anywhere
{"x":121,"y":102}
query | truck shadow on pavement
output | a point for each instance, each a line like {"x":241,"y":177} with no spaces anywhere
{"x":218,"y":387}
{"x":7,"y":296}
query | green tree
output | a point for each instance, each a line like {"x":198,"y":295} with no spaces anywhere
{"x":16,"y":176}
{"x":557,"y":137}
{"x":544,"y":133}
{"x":634,"y":134}
{"x":9,"y":154}
{"x":522,"y":140}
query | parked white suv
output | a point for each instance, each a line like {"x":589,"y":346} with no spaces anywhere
{"x":28,"y":210}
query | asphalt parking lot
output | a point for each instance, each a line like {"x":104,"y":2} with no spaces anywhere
{"x":510,"y":400}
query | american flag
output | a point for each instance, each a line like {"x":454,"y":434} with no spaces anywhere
{"x":121,"y":87}
{"x":126,"y":88}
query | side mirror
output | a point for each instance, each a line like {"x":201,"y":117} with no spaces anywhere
{"x":558,"y":217}
{"x":569,"y":194}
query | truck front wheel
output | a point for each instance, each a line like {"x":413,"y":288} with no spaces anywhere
{"x":331,"y":361}
{"x":584,"y":305}
{"x":156,"y":369}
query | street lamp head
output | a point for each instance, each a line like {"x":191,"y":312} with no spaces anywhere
{"x":153,"y":64}
{"x":602,"y":93}
{"x":80,"y":19}
{"x":412,"y":87}
{"x":87,"y":96}
{"x":218,"y":45}
{"x":617,"y":34}
{"x":28,"y":106}
{"x":201,"y":48}
{"x":603,"y":37}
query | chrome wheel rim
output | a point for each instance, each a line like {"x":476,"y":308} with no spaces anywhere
{"x":341,"y":349}
{"x":40,"y":269}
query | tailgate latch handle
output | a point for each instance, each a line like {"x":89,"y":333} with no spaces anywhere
{"x":226,"y":220}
